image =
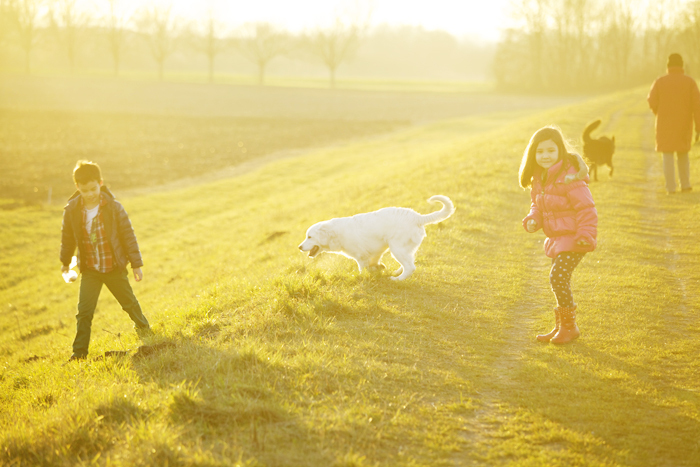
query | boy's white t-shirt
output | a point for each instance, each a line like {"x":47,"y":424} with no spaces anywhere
{"x":90,"y":215}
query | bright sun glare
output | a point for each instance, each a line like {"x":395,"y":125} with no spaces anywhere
{"x":461,"y":18}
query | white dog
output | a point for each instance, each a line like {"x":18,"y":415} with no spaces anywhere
{"x":366,"y":237}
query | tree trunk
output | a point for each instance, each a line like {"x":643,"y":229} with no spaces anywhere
{"x":211,"y":69}
{"x":261,"y":74}
{"x":160,"y":71}
{"x":71,"y":60}
{"x":115,"y":56}
{"x":26,"y":61}
{"x":332,"y":70}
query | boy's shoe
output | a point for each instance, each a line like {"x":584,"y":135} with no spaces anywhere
{"x":686,"y":190}
{"x":144,"y":332}
{"x":76,"y":356}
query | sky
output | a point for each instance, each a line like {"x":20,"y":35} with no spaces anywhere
{"x":475,"y":18}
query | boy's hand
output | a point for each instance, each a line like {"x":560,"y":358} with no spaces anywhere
{"x":138,"y":274}
{"x":64,"y":269}
{"x":531,"y":225}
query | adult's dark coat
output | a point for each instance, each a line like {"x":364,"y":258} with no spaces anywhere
{"x":675,"y":100}
{"x":118,"y":228}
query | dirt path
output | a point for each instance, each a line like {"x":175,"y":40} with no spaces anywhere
{"x":654,"y":217}
{"x":521,"y":327}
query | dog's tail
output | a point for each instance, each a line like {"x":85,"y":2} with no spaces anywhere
{"x":438,"y":216}
{"x":589,"y":129}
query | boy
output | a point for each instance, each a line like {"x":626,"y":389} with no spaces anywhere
{"x":97,"y":224}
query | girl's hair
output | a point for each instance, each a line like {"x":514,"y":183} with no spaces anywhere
{"x":529,"y":162}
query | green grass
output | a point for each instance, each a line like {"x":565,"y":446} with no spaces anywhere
{"x":280,"y":360}
{"x":145,"y":133}
{"x":273,"y":80}
{"x":141,"y":150}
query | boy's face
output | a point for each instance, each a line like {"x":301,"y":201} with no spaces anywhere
{"x":90,"y":191}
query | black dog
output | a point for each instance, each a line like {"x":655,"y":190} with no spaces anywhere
{"x":598,"y":151}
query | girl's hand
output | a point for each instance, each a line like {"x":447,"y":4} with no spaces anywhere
{"x":531,"y":225}
{"x":582,"y":243}
{"x":138,"y":274}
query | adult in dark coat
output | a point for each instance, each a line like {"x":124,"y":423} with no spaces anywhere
{"x":675,"y":100}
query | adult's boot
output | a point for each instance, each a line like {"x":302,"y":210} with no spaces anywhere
{"x":553,"y":332}
{"x":568,"y":330}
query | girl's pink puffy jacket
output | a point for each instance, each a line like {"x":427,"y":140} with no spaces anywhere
{"x":566,"y":212}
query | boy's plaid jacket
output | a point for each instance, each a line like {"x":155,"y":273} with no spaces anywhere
{"x":125,"y":248}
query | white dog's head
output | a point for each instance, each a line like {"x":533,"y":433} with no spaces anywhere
{"x":318,"y":239}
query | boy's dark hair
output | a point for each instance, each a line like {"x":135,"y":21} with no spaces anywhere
{"x":529,"y":162}
{"x":86,"y":172}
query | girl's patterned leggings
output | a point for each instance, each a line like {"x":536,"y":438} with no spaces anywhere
{"x":560,"y":276}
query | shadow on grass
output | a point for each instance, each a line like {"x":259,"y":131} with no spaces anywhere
{"x":277,"y":374}
{"x":612,"y":400}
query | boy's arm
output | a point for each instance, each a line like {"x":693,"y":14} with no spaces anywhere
{"x":67,"y":241}
{"x":128,"y":238}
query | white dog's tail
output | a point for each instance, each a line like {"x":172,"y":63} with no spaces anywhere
{"x":438,"y":216}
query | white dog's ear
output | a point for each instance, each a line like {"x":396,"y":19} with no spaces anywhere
{"x":326,"y":233}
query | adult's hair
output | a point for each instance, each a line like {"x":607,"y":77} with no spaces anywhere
{"x":675,"y":60}
{"x":529,"y":162}
{"x":86,"y":172}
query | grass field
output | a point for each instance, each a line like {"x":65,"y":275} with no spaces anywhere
{"x":148,"y":133}
{"x":315,"y":82}
{"x":273,"y":359}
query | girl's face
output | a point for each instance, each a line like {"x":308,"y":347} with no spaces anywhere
{"x":547,"y":154}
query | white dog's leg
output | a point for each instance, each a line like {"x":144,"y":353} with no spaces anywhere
{"x":361,"y":264}
{"x":376,"y":261}
{"x":407,"y":265}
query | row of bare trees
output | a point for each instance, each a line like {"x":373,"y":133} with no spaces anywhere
{"x":570,"y":45}
{"x":25,"y":23}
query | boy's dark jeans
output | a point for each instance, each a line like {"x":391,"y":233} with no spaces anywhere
{"x":117,"y":282}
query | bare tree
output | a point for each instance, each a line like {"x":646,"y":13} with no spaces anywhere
{"x":208,"y":40}
{"x":116,"y":23}
{"x":510,"y":59}
{"x":660,"y":32}
{"x":690,"y":35}
{"x":569,"y":17}
{"x":534,"y":15}
{"x":159,"y":29}
{"x":260,"y":43}
{"x":67,"y":20}
{"x":7,"y":13}
{"x":335,"y":44}
{"x":619,"y":38}
{"x":26,"y":18}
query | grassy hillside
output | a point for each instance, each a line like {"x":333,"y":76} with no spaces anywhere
{"x":147,"y":133}
{"x":273,"y":359}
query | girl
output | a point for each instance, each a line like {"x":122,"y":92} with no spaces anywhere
{"x":562,"y":206}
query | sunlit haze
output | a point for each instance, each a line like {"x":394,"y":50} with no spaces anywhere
{"x":461,"y":18}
